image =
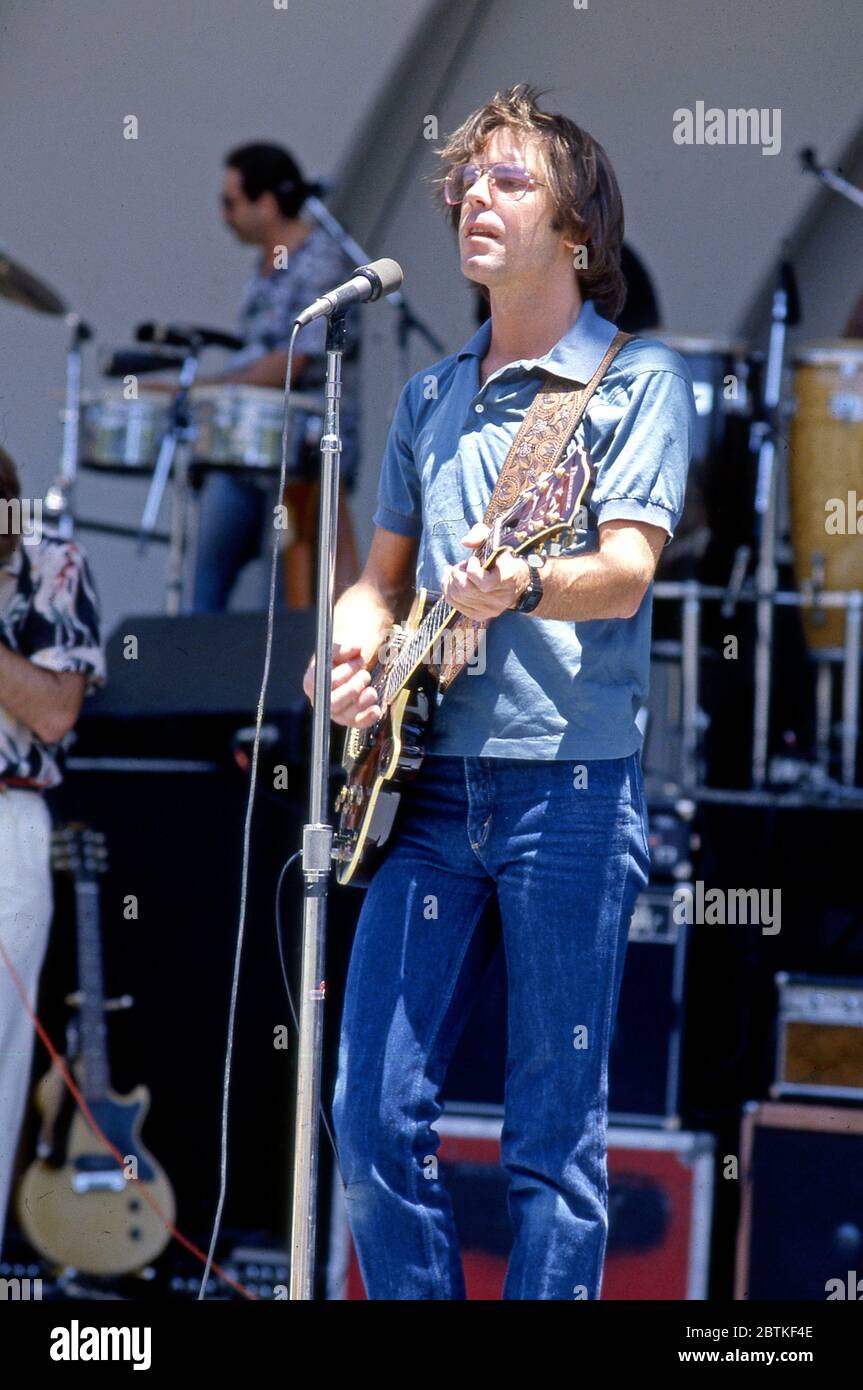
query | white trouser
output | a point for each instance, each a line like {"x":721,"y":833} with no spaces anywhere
{"x":26,"y":906}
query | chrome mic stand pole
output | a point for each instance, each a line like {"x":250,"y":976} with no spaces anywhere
{"x":317,"y":849}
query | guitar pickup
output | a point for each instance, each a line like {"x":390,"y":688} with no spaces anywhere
{"x":108,"y":1180}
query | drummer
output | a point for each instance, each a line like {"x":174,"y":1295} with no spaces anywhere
{"x":263,"y":191}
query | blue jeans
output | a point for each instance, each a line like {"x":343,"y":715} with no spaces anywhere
{"x":234,"y":512}
{"x":564,"y":846}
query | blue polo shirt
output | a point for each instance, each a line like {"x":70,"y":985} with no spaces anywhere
{"x":542,"y":687}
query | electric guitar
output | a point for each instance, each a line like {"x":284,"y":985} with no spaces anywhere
{"x":76,"y":1205}
{"x":378,"y":760}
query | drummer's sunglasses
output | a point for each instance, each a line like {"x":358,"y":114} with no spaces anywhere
{"x":511,"y":180}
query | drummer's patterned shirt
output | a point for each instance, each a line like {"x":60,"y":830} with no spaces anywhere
{"x":270,"y":306}
{"x":49,"y":612}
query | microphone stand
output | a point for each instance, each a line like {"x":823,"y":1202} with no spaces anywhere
{"x":833,"y":181}
{"x":317,"y":847}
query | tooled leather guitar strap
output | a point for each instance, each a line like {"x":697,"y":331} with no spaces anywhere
{"x":552,"y":418}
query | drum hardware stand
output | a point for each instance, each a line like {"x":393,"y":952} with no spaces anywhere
{"x":114,"y":528}
{"x":848,"y":728}
{"x":739,"y":569}
{"x":786,"y":310}
{"x":850,"y":725}
{"x":823,"y":714}
{"x":822,"y":789}
{"x":174,"y":452}
{"x":318,"y":849}
{"x":60,"y":496}
{"x":690,"y":672}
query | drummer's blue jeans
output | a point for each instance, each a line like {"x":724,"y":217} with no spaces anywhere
{"x":563,"y":845}
{"x":233,"y":513}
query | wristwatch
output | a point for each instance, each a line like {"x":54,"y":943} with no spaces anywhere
{"x":533,"y":593}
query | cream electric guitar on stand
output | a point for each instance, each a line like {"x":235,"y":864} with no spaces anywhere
{"x":379,"y":759}
{"x":76,"y":1205}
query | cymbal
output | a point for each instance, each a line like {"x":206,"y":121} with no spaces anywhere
{"x":22,"y":287}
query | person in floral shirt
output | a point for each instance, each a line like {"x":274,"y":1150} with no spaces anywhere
{"x":50,"y":657}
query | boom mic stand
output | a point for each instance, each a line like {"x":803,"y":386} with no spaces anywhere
{"x":408,"y":321}
{"x":834,"y":181}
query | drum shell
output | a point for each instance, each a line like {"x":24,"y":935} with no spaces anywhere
{"x":826,"y":464}
{"x":239,"y":427}
{"x":122,"y":434}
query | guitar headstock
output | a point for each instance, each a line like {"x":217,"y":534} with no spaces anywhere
{"x":547,"y":510}
{"x":79,"y":850}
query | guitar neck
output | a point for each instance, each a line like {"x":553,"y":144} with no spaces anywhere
{"x":94,"y":1052}
{"x":544,"y":510}
{"x":421,"y":642}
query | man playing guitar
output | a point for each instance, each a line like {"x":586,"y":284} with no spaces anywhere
{"x":532,"y":788}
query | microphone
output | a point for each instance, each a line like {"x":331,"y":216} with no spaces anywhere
{"x":132,"y":363}
{"x":368,"y":282}
{"x":186,"y":335}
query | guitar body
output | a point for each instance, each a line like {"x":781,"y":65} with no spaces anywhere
{"x":84,"y":1211}
{"x":378,"y":761}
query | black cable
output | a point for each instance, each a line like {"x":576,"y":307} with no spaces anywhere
{"x":287,"y":985}
{"x":247,"y":830}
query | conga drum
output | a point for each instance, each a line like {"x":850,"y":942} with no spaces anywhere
{"x":826,"y":479}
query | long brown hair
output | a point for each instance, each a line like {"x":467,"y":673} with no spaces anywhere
{"x":10,"y":488}
{"x":581,"y":180}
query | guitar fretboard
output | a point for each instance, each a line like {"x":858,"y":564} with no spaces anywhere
{"x":92,"y":1016}
{"x":422,"y":640}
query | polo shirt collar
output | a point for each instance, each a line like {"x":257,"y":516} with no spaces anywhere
{"x":575,"y":357}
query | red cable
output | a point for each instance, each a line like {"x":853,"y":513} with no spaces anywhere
{"x":105,"y":1141}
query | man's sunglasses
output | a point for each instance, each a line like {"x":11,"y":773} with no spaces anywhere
{"x":510,"y":180}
